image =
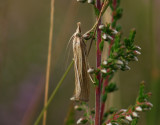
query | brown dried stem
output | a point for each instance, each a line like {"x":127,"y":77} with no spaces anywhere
{"x":48,"y":61}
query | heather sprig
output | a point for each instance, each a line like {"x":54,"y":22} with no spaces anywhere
{"x":122,"y":51}
{"x":130,"y":116}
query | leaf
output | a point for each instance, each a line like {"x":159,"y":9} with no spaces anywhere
{"x":70,"y":118}
{"x":101,"y":45}
{"x":96,"y":81}
{"x":96,"y":10}
{"x":134,"y":122}
{"x":111,"y":87}
{"x":132,"y":35}
{"x":104,"y":97}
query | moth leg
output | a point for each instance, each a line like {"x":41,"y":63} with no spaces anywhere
{"x":91,"y":79}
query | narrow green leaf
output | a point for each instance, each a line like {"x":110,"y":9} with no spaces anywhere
{"x":101,"y":45}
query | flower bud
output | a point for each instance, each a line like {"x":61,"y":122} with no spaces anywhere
{"x":82,"y":1}
{"x":109,"y":37}
{"x":82,"y":121}
{"x":127,"y":67}
{"x":91,"y":71}
{"x":72,"y":99}
{"x":137,"y":47}
{"x":79,"y":108}
{"x":137,"y":52}
{"x":109,"y":124}
{"x":105,"y":62}
{"x":149,"y":104}
{"x":135,"y":58}
{"x":86,"y":36}
{"x":123,"y":110}
{"x":128,"y":117}
{"x":134,"y":114}
{"x":114,"y":32}
{"x":104,"y":36}
{"x":91,"y":1}
{"x":104,"y":71}
{"x":101,"y":27}
{"x":138,"y":108}
{"x":119,"y":62}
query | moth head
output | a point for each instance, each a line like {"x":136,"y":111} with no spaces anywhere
{"x":78,"y":31}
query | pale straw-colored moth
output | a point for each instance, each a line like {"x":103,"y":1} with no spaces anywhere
{"x":82,"y":87}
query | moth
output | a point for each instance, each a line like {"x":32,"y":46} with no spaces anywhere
{"x":82,"y":88}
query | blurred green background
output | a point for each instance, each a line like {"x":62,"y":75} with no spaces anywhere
{"x":24,"y":31}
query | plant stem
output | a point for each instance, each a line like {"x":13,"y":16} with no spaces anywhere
{"x":106,"y":82}
{"x":53,"y":94}
{"x":106,"y":3}
{"x":98,"y":88}
{"x":48,"y":61}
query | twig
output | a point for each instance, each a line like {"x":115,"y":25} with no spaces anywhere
{"x":49,"y":60}
{"x":98,"y":88}
{"x":106,"y":82}
{"x":53,"y":94}
{"x":106,"y":3}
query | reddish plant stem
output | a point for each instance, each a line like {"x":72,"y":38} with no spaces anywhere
{"x":98,"y":62}
{"x":106,"y":82}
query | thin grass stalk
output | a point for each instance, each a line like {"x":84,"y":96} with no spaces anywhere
{"x":106,"y":82}
{"x":48,"y":61}
{"x":98,"y":62}
{"x":53,"y":94}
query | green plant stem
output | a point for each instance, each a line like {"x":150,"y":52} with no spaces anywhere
{"x":53,"y":93}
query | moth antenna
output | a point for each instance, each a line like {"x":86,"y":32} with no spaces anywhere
{"x":70,"y":41}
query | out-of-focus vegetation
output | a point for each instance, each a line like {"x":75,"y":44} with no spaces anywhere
{"x":24,"y":31}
